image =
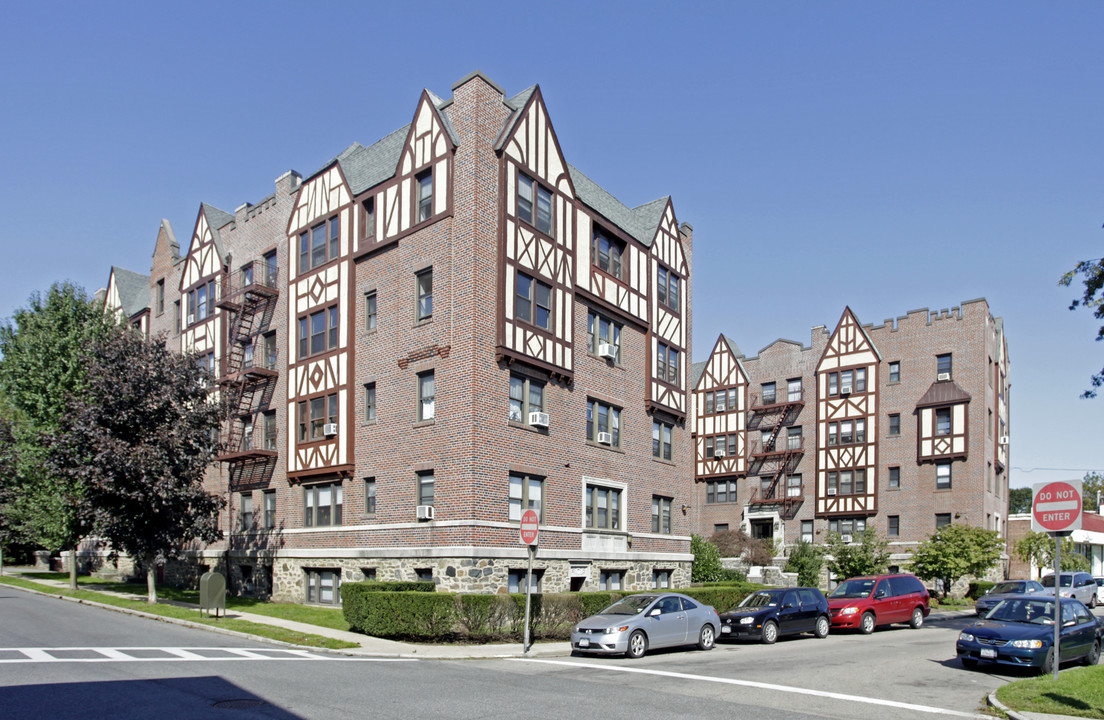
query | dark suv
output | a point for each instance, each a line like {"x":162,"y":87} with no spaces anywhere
{"x":864,"y":603}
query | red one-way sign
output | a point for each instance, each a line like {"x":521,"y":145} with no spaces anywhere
{"x":1056,"y":506}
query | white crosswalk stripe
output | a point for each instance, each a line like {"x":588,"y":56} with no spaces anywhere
{"x":167,"y":654}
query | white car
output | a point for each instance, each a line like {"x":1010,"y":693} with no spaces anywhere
{"x":1099,"y":590}
{"x":1078,"y":585}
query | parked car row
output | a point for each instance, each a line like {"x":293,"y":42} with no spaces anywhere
{"x":636,"y":623}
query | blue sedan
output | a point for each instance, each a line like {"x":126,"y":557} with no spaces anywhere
{"x":1019,"y":632}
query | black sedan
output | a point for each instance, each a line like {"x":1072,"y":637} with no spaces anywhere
{"x":767,"y":614}
{"x":1019,"y":632}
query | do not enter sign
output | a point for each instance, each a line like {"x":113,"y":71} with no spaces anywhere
{"x":1056,"y":506}
{"x":529,"y":525}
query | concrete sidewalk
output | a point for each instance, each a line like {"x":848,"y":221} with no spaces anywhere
{"x":368,"y":646}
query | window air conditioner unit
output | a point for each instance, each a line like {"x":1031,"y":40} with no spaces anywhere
{"x":607,"y":350}
{"x":943,"y":376}
{"x":845,"y":390}
{"x":846,"y":538}
{"x":329,"y":429}
{"x":425,"y":512}
{"x":831,"y":491}
{"x":1003,"y":440}
{"x":605,"y":438}
{"x":191,"y":318}
{"x":719,"y":452}
{"x":538,"y":419}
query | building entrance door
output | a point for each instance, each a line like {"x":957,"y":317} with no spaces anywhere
{"x":762,"y":529}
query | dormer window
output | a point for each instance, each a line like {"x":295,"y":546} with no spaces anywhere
{"x":607,"y":252}
{"x":535,"y":204}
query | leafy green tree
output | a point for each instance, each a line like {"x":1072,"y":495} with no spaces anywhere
{"x":42,"y":364}
{"x":1019,"y":501}
{"x":139,"y":439}
{"x":806,"y":560}
{"x":955,"y":551}
{"x":707,"y":561}
{"x":869,"y":556}
{"x":1092,"y":487}
{"x":1093,"y":300}
{"x":1038,"y":549}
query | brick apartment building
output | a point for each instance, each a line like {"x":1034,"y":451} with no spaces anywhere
{"x":426,"y":337}
{"x":901,"y":427}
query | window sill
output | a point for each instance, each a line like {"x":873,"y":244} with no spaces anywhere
{"x":608,"y":362}
{"x":423,"y":321}
{"x":662,"y":461}
{"x":525,"y":426}
{"x":726,"y":502}
{"x":366,"y":423}
{"x":424,"y":423}
{"x":600,"y":446}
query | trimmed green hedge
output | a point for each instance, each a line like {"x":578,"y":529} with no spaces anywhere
{"x":400,"y":585}
{"x":435,"y":617}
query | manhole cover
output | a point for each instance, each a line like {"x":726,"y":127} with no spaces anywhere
{"x":240,"y":704}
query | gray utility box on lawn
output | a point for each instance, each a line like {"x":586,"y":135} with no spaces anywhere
{"x":212,"y":593}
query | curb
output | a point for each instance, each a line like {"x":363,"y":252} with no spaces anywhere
{"x":993,"y":702}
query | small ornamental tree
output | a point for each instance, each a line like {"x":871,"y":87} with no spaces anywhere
{"x":1037,"y":549}
{"x":868,"y":556}
{"x":806,"y":560}
{"x":1019,"y":501}
{"x":955,"y":551}
{"x":139,"y":439}
{"x":738,"y":544}
{"x":707,"y":561}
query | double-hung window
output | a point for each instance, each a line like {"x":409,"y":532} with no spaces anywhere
{"x":246,"y":501}
{"x":603,"y":508}
{"x":426,"y":482}
{"x":942,"y":476}
{"x":606,"y":252}
{"x":526,"y":396}
{"x":769,"y":393}
{"x":370,"y":496}
{"x":318,"y":331}
{"x":661,"y":514}
{"x":427,"y":391}
{"x":526,"y":492}
{"x":602,"y":419}
{"x":424,"y":182}
{"x":661,"y":440}
{"x":535,"y":204}
{"x":533,"y":301}
{"x":369,"y":402}
{"x":943,"y":365}
{"x":720,"y":491}
{"x":269,"y":509}
{"x":601,"y":329}
{"x":942,"y":421}
{"x":370,"y":311}
{"x":322,"y":505}
{"x":270,"y":437}
{"x":667,"y":363}
{"x":323,"y":411}
{"x":424,"y":290}
{"x":667,"y":288}
{"x":324,"y":586}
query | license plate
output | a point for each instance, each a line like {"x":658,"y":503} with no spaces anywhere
{"x":584,"y":643}
{"x":988,"y":653}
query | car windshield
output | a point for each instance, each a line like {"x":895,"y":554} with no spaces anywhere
{"x":1035,"y":612}
{"x":1067,"y":580}
{"x":759,"y":599}
{"x":1008,"y":587}
{"x":631,"y":605}
{"x":857,"y":588}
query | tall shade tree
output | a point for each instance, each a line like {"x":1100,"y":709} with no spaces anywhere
{"x":42,"y":364}
{"x":869,"y":556}
{"x":139,"y":439}
{"x":1037,"y":549}
{"x":954,"y":551}
{"x":1093,"y":300}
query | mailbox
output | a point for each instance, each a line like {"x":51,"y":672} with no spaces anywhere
{"x":212,"y":593}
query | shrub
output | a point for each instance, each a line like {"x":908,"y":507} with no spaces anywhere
{"x":397,"y":585}
{"x":707,"y":560}
{"x":484,"y":617}
{"x":592,"y":603}
{"x":806,"y":560}
{"x":722,"y":597}
{"x":738,"y":544}
{"x":979,"y":588}
{"x":405,"y":615}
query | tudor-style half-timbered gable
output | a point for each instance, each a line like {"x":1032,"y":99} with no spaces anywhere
{"x":669,"y":317}
{"x":127,"y":299}
{"x":319,"y":409}
{"x":720,"y":414}
{"x":847,"y":430}
{"x":942,"y":423}
{"x":537,"y":248}
{"x":200,"y":282}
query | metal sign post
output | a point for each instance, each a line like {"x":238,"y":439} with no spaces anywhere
{"x":1056,"y":509}
{"x":1057,"y":599}
{"x":527,"y":535}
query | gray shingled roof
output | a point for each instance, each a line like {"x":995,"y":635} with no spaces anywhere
{"x":735,"y":349}
{"x":640,"y":222}
{"x":133,"y":290}
{"x":365,"y":167}
{"x":943,"y":393}
{"x":696,"y":370}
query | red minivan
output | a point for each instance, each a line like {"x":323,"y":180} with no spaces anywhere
{"x":864,"y":603}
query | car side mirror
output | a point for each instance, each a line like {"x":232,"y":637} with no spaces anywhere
{"x":655,"y":613}
{"x":880,"y":594}
{"x":1069,"y":623}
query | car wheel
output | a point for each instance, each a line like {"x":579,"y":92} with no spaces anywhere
{"x":1094,"y":654}
{"x":638,"y":644}
{"x":1048,"y":663}
{"x":1092,"y":602}
{"x":917,"y":620}
{"x":770,"y":632}
{"x":866,"y":625}
{"x":823,"y":625}
{"x":707,"y":638}
{"x":968,"y":663}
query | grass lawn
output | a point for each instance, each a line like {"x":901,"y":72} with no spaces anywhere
{"x":1078,"y":691}
{"x":306,"y":614}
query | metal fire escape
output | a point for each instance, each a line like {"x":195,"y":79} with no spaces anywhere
{"x":248,"y":297}
{"x":774,"y":459}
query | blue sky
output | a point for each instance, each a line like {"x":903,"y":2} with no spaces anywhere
{"x":886,"y":156}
